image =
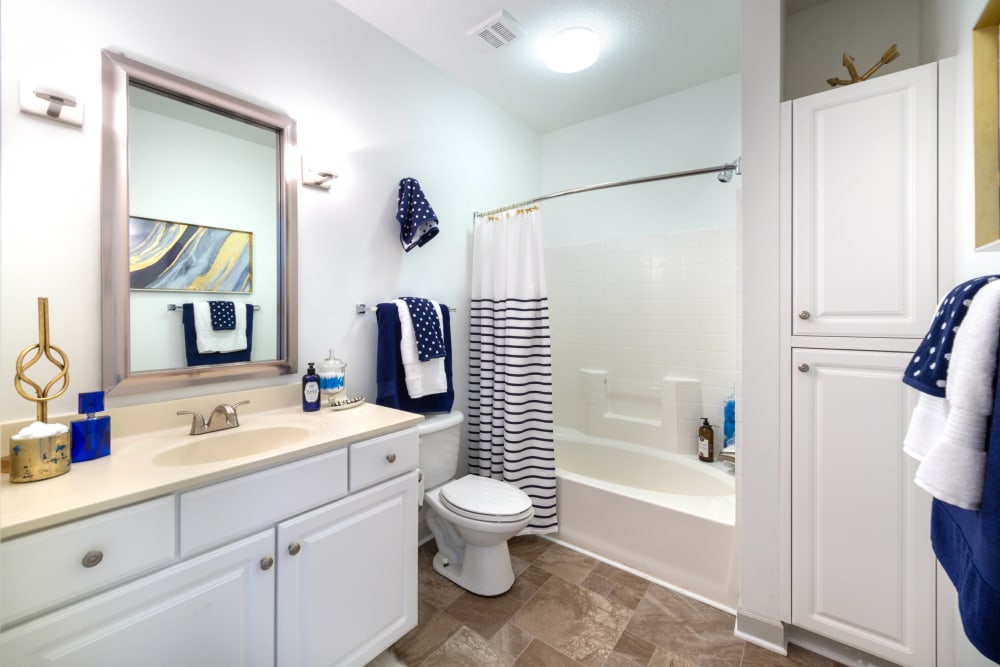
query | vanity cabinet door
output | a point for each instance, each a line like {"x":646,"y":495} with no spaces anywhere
{"x":347,"y":577}
{"x":217,"y":609}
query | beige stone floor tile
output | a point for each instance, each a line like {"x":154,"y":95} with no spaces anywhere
{"x":433,"y":629}
{"x":511,"y":641}
{"x":431,"y":586}
{"x":570,"y":565}
{"x":527,"y":547}
{"x":465,"y":648}
{"x":539,"y":654}
{"x":755,"y":656}
{"x":633,"y":649}
{"x":622,"y":577}
{"x":573,"y":620}
{"x":484,"y":615}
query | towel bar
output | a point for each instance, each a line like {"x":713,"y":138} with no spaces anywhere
{"x":361,"y":309}
{"x":174,"y":306}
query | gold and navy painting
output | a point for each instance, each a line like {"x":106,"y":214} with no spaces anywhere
{"x":167,"y":255}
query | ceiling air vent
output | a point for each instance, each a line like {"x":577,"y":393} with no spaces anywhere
{"x":498,"y":30}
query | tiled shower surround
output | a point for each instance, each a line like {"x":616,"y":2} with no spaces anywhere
{"x":644,"y":308}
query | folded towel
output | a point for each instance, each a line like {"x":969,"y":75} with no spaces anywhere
{"x":418,"y":223}
{"x":423,"y":378}
{"x":195,"y":358}
{"x":965,"y":542}
{"x":954,"y":468}
{"x":426,"y":327}
{"x":223,"y":315}
{"x":389,"y":372}
{"x":209,"y":340}
{"x":928,"y":369}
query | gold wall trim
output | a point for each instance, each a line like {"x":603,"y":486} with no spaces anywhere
{"x":986,"y":142}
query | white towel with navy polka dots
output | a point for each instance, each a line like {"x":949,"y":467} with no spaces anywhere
{"x":928,"y":369}
{"x":426,"y":328}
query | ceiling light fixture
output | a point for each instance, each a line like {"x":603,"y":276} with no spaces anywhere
{"x":572,"y":49}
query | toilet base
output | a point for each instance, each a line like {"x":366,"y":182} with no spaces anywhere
{"x":484,"y":571}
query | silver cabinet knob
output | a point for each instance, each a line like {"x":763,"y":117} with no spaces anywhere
{"x":804,"y":368}
{"x":266,"y":563}
{"x":93,"y":558}
{"x":391,"y":458}
{"x":805,"y":315}
{"x":294,"y":548}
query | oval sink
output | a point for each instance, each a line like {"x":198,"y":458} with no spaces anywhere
{"x":233,"y":444}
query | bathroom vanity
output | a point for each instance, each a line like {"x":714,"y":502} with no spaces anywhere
{"x":302,"y":553}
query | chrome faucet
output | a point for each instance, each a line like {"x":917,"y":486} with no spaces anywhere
{"x":223,"y":416}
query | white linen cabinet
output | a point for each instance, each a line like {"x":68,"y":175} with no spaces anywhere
{"x":859,"y":288}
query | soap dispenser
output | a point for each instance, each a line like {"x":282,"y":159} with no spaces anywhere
{"x":90,"y":438}
{"x":310,"y":389}
{"x":706,"y":441}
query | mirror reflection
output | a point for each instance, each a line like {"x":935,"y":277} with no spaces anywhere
{"x":198,"y":212}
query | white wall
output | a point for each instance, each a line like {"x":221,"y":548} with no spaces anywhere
{"x":817,"y":38}
{"x":694,"y":128}
{"x":365,"y":107}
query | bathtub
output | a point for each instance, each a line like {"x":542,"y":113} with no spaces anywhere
{"x":665,"y":515}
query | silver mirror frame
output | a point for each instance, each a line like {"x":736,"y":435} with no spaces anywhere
{"x":117,"y":72}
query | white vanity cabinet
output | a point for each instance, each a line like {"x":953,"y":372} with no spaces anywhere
{"x":307,"y":563}
{"x":860,"y":267}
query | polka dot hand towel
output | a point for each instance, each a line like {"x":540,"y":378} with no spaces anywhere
{"x":223,"y":315}
{"x":928,"y":369}
{"x":426,"y":328}
{"x":418,"y":223}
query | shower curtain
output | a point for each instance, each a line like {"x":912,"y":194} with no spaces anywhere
{"x":510,"y":366}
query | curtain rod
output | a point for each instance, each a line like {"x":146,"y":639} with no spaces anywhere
{"x":725,"y":172}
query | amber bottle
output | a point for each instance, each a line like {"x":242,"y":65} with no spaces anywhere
{"x":706,"y":441}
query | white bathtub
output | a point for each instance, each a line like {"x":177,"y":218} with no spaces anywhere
{"x":666,"y":515}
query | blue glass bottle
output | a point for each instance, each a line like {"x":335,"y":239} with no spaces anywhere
{"x":90,"y":438}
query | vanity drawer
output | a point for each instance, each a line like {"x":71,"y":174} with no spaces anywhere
{"x":219,"y":513}
{"x":52,"y":566}
{"x":381,"y":458}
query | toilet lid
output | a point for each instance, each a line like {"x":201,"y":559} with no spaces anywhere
{"x":486,"y":499}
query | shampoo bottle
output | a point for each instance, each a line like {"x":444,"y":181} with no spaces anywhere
{"x":310,"y":390}
{"x":706,"y":441}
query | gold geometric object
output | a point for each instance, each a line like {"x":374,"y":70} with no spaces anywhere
{"x":890,"y":54}
{"x":43,"y":349}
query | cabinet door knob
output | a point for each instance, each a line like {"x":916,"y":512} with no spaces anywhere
{"x":92,"y":558}
{"x":805,"y":315}
{"x":804,"y":368}
{"x":266,"y":563}
{"x":391,"y":458}
{"x":294,"y":548}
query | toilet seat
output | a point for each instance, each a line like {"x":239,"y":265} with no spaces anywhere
{"x":485,"y":499}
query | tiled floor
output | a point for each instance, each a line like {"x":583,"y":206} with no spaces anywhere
{"x":569,"y":609}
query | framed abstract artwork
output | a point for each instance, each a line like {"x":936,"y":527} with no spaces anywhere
{"x":166,"y":255}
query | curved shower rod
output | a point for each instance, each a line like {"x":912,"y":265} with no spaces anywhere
{"x":725,"y":172}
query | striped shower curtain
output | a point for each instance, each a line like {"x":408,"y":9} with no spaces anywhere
{"x":510,"y":365}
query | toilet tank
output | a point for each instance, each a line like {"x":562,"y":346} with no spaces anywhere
{"x":440,"y":441}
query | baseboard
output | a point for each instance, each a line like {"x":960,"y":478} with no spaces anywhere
{"x":764,"y":632}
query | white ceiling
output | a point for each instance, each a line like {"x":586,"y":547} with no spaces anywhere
{"x":650,"y":48}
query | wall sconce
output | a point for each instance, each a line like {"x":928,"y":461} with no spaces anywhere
{"x":51,"y":103}
{"x":315,"y":177}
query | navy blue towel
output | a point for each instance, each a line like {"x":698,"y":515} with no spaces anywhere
{"x":418,"y":223}
{"x":223,"y":315}
{"x":928,"y":369}
{"x":967,"y":543}
{"x":196,"y":358}
{"x":389,"y":374}
{"x":426,"y":328}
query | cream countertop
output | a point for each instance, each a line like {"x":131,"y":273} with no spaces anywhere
{"x":129,"y":474}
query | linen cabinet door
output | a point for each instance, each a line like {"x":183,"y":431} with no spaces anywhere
{"x":864,"y":207}
{"x":862,"y":564}
{"x":347,"y":577}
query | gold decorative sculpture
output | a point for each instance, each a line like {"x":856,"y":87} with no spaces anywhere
{"x":890,"y":54}
{"x":43,"y":349}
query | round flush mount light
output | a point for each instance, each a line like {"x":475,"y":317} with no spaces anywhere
{"x":572,"y":49}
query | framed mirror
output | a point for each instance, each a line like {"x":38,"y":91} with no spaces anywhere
{"x":198,"y":233}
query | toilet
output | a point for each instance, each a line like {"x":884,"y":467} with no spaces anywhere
{"x":471,"y":517}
